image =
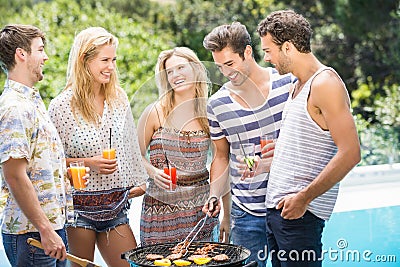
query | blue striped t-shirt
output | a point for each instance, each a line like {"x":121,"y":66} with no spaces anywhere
{"x":227,"y":118}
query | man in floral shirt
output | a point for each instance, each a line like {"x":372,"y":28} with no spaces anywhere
{"x":32,"y":164}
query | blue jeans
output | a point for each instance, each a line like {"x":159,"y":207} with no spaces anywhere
{"x":20,"y":253}
{"x":249,"y":231}
{"x":294,"y":243}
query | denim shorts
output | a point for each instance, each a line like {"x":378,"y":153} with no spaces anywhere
{"x":101,"y":226}
{"x":20,"y":253}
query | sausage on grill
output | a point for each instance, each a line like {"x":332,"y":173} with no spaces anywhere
{"x":152,"y":257}
{"x":221,"y":257}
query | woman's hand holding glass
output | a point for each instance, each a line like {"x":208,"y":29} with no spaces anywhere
{"x":102,"y":165}
{"x":161,"y":179}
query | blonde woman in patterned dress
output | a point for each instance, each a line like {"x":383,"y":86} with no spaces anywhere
{"x":91,"y":106}
{"x":175,"y":130}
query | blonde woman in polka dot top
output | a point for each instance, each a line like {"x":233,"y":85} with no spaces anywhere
{"x":91,"y":113}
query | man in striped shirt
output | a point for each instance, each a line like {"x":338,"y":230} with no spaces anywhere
{"x":317,"y":146}
{"x":249,"y":105}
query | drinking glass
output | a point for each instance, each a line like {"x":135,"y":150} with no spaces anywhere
{"x":109,"y":152}
{"x":78,"y":170}
{"x":171,"y":171}
{"x":248,"y":152}
{"x":267,"y":139}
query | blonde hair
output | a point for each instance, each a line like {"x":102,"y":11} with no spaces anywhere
{"x":79,"y":78}
{"x":201,"y":84}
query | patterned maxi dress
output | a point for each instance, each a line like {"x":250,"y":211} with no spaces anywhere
{"x":169,"y":216}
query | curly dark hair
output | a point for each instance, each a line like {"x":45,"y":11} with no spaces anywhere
{"x":234,"y":36}
{"x":287,"y":25}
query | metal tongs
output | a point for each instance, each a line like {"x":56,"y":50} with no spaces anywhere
{"x":184,"y":245}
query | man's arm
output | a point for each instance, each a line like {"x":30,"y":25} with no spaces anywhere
{"x":22,"y":189}
{"x":225,"y":225}
{"x":219,"y":171}
{"x":328,"y":96}
{"x":220,"y":185}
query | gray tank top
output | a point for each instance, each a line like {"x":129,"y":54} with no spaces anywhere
{"x":302,"y":151}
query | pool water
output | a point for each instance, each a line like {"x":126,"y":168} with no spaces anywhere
{"x":369,"y":237}
{"x":363,"y":238}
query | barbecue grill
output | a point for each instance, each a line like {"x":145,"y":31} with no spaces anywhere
{"x":237,"y":254}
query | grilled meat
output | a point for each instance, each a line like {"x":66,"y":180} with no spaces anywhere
{"x":205,"y":249}
{"x":174,"y":256}
{"x":221,"y":257}
{"x":152,"y":257}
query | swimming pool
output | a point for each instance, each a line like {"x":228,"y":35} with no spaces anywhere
{"x":364,"y":229}
{"x":368,"y":237}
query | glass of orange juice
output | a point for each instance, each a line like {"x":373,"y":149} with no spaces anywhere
{"x":78,"y":170}
{"x":109,"y":153}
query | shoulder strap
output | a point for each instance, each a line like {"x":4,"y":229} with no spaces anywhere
{"x":311,"y":79}
{"x":158,"y":115}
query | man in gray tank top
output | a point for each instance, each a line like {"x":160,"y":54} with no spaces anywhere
{"x":317,"y":146}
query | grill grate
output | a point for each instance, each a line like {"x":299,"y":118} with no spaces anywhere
{"x":236,"y":254}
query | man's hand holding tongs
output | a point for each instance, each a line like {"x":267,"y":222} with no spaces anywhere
{"x":212,"y":207}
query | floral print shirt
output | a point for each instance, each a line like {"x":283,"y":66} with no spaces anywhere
{"x":26,"y":131}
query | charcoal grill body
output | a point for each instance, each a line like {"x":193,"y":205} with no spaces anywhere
{"x":237,"y":254}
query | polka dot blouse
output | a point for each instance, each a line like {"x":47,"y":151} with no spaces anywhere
{"x":82,"y":140}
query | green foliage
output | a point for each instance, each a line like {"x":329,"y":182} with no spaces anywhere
{"x":360,"y":39}
{"x":137,"y":9}
{"x":14,"y":6}
{"x":370,"y":49}
{"x":388,"y":107}
{"x":380,"y":140}
{"x":365,"y":51}
{"x":190,"y":21}
{"x":379,"y":143}
{"x":61,"y":20}
{"x":361,"y":96}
